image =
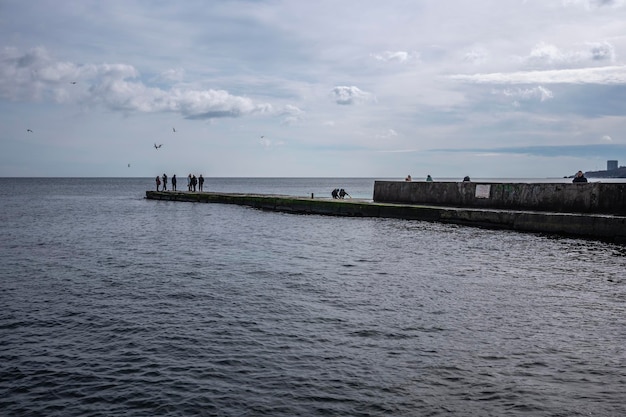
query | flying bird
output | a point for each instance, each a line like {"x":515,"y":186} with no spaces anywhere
{"x":157,"y":146}
{"x":28,"y":130}
{"x":174,"y":130}
{"x":73,"y":82}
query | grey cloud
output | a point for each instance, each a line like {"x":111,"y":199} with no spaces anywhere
{"x":345,"y":95}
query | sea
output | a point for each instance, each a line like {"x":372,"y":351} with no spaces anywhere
{"x":115,"y":305}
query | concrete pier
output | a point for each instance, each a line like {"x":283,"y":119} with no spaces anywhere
{"x":605,"y":227}
{"x":593,"y":197}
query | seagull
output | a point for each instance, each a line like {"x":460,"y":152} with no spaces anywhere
{"x":157,"y":146}
{"x":73,"y":82}
{"x":28,"y":130}
{"x":174,"y":130}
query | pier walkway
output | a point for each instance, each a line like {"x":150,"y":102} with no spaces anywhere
{"x":603,"y":227}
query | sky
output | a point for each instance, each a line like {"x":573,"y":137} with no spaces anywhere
{"x":325,"y":88}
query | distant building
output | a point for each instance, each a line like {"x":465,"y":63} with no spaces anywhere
{"x":610,"y":165}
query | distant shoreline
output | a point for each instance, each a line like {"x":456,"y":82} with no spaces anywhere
{"x":613,"y":173}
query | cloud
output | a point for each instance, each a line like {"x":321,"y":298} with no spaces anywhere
{"x":547,"y":56}
{"x":610,"y":75}
{"x":34,"y":75}
{"x":476,"y":56}
{"x":591,"y":4}
{"x":174,"y":74}
{"x":578,"y":151}
{"x":539,"y":92}
{"x":291,"y":115}
{"x":350,"y":95}
{"x":268,"y":143}
{"x":387,"y":56}
{"x":388,"y":134}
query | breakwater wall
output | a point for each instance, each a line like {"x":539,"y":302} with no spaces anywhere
{"x":595,"y":197}
{"x":593,"y":226}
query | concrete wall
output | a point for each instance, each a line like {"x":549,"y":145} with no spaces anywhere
{"x":595,"y":197}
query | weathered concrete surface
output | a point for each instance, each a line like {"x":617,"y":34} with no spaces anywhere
{"x":595,"y":197}
{"x":594,"y":226}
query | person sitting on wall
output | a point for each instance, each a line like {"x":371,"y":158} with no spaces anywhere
{"x":466,"y":179}
{"x":408,"y":178}
{"x":429,"y":178}
{"x":580,"y":177}
{"x":335,"y":193}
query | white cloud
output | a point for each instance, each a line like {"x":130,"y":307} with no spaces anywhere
{"x":476,"y":56}
{"x":390,"y":133}
{"x":292,"y":114}
{"x":610,"y":75}
{"x":399,"y":56}
{"x":539,"y":92}
{"x":545,"y":55}
{"x":268,"y":143}
{"x":350,"y":95}
{"x":34,"y":75}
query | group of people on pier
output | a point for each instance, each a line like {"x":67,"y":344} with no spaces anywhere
{"x":340,"y":193}
{"x":192,"y":182}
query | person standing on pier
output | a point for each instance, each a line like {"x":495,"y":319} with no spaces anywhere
{"x":158,"y":182}
{"x":189,"y":183}
{"x":200,"y":182}
{"x":580,"y":177}
{"x":174,"y":182}
{"x":164,"y":182}
{"x":194,"y":181}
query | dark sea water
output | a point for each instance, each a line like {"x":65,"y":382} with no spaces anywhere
{"x":113,"y":305}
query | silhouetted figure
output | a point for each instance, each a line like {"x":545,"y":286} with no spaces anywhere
{"x":343,"y":193}
{"x":408,"y":178}
{"x":335,"y":193}
{"x":164,"y":182}
{"x":158,"y":182}
{"x":174,"y":182}
{"x":194,"y":182}
{"x":200,"y":182}
{"x":189,"y":183}
{"x":580,"y":177}
{"x":466,"y":179}
{"x":429,"y":178}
